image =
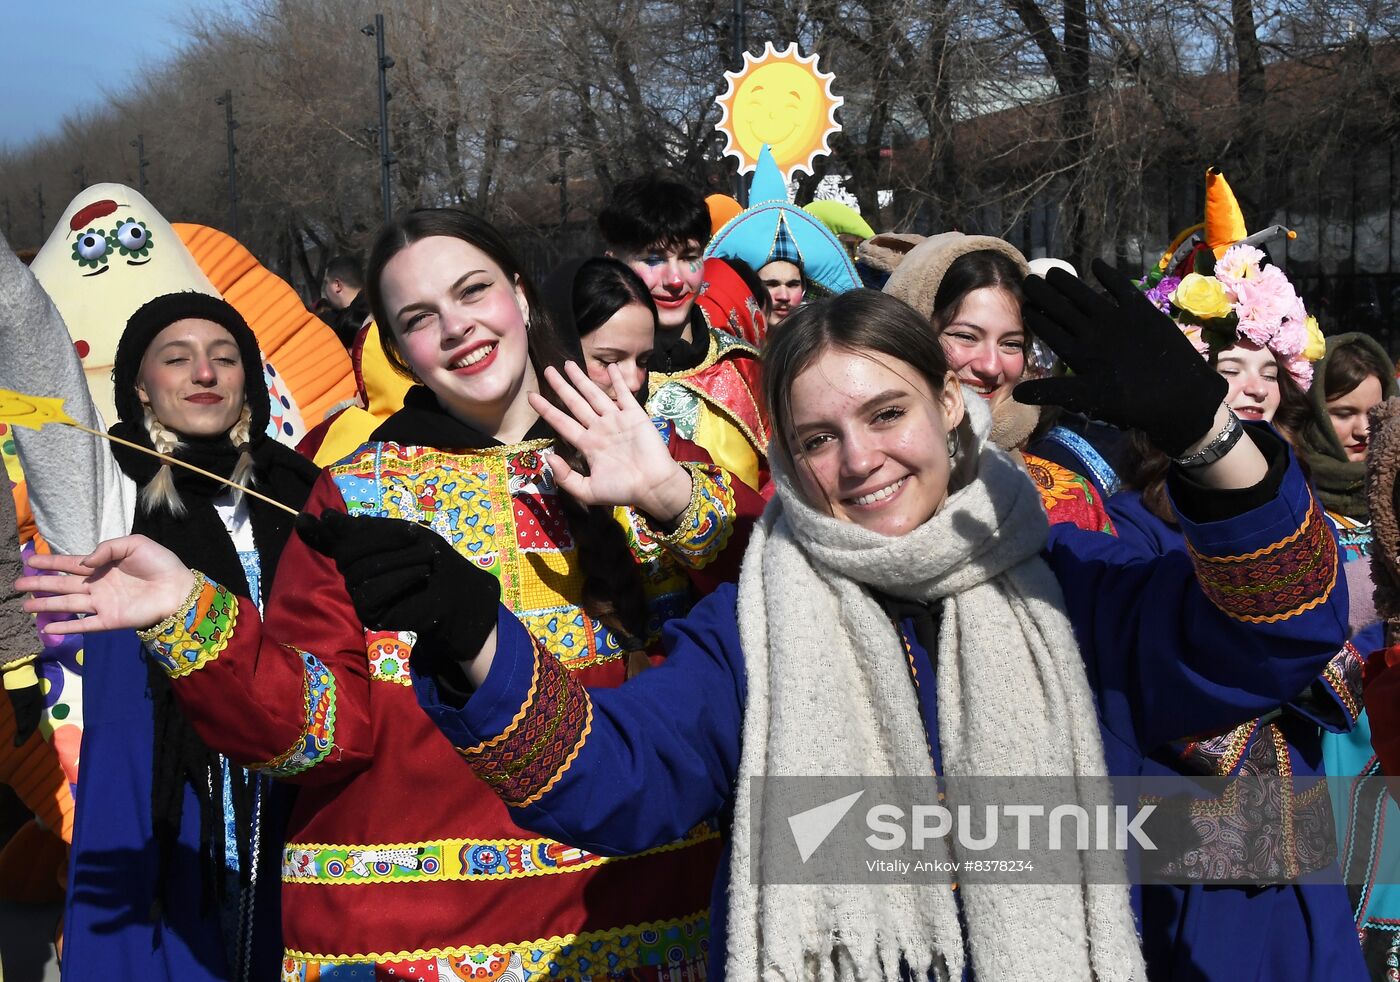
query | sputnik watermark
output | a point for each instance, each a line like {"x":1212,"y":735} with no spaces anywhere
{"x":1042,"y":830}
{"x":1110,"y":826}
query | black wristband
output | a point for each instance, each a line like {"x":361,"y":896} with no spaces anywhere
{"x":1222,"y":444}
{"x":1202,"y":504}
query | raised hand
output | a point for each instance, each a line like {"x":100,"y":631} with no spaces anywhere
{"x":1132,"y":366}
{"x":131,"y":582}
{"x":628,"y":464}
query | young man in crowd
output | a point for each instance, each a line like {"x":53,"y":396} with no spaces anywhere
{"x":702,"y":381}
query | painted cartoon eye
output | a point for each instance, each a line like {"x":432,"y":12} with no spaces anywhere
{"x":91,"y":248}
{"x":133,"y":238}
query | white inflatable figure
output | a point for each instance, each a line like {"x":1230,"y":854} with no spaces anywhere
{"x":110,"y":253}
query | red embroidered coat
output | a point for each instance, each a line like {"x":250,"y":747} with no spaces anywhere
{"x":398,"y":861}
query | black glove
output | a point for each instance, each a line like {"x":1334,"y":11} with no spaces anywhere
{"x":28,"y":706}
{"x":1132,"y":365}
{"x":404,"y":577}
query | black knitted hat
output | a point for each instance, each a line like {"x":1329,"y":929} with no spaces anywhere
{"x":155,"y":316}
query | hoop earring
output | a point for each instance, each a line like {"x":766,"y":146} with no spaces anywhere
{"x":953,"y":443}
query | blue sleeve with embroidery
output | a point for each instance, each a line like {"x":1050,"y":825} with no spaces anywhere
{"x":614,"y":771}
{"x":1185,"y":642}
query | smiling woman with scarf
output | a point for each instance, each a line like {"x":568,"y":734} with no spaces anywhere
{"x":904,"y":609}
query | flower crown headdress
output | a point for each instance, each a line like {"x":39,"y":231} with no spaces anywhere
{"x":1223,"y":292}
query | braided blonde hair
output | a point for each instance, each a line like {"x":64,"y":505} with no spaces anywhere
{"x":240,"y":435}
{"x":160,"y":491}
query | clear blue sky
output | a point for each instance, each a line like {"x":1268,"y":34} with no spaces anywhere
{"x":65,"y":55}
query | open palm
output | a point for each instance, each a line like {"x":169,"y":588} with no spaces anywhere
{"x":131,"y":582}
{"x":628,"y":463}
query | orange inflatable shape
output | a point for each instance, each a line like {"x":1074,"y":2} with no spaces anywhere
{"x":1224,"y":220}
{"x":722,"y":208}
{"x":309,"y":357}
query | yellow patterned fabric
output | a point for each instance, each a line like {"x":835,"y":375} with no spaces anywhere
{"x":500,"y":508}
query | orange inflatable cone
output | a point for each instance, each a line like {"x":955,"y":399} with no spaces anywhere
{"x":1224,"y":221}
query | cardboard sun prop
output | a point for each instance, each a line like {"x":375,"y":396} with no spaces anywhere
{"x":783,"y":100}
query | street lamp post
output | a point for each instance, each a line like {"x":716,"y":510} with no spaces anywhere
{"x":231,"y":124}
{"x":39,"y":193}
{"x":740,"y":46}
{"x":140,"y":144}
{"x":386,"y":156}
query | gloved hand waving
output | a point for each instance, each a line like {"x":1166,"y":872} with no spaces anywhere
{"x":1132,"y":366}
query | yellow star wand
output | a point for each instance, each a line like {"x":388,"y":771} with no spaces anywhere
{"x":32,"y":412}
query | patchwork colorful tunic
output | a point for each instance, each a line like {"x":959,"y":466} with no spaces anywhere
{"x":717,"y":405}
{"x":400,"y":864}
{"x":1192,"y":639}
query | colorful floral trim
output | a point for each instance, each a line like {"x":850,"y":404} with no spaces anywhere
{"x":448,"y":859}
{"x":196,"y":634}
{"x":1277,"y":582}
{"x":1099,"y":469}
{"x":543,"y":739}
{"x":318,"y":721}
{"x":650,"y":952}
{"x":726,"y":391}
{"x":1068,"y":498}
{"x":1342,"y":677}
{"x":704,"y":528}
{"x":1354,"y":537}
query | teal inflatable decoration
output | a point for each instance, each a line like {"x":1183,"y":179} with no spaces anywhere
{"x":773,"y":229}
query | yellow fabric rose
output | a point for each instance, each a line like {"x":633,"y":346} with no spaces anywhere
{"x":1316,"y":345}
{"x":1202,"y":297}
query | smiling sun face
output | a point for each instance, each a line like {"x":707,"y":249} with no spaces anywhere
{"x":783,"y":100}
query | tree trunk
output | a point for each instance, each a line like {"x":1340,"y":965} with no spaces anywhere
{"x":1252,"y":178}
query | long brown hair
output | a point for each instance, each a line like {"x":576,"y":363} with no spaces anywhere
{"x":974,"y":271}
{"x":1348,"y":365}
{"x":612,"y":587}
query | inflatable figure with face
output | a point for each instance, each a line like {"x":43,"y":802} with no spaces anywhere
{"x":112,"y":251}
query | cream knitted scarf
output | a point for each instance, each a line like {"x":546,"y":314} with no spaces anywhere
{"x":829,"y":693}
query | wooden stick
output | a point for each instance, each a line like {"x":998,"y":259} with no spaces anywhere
{"x":180,"y":463}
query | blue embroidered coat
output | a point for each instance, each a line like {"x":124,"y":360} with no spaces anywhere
{"x":1187,"y":641}
{"x":109,"y":933}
